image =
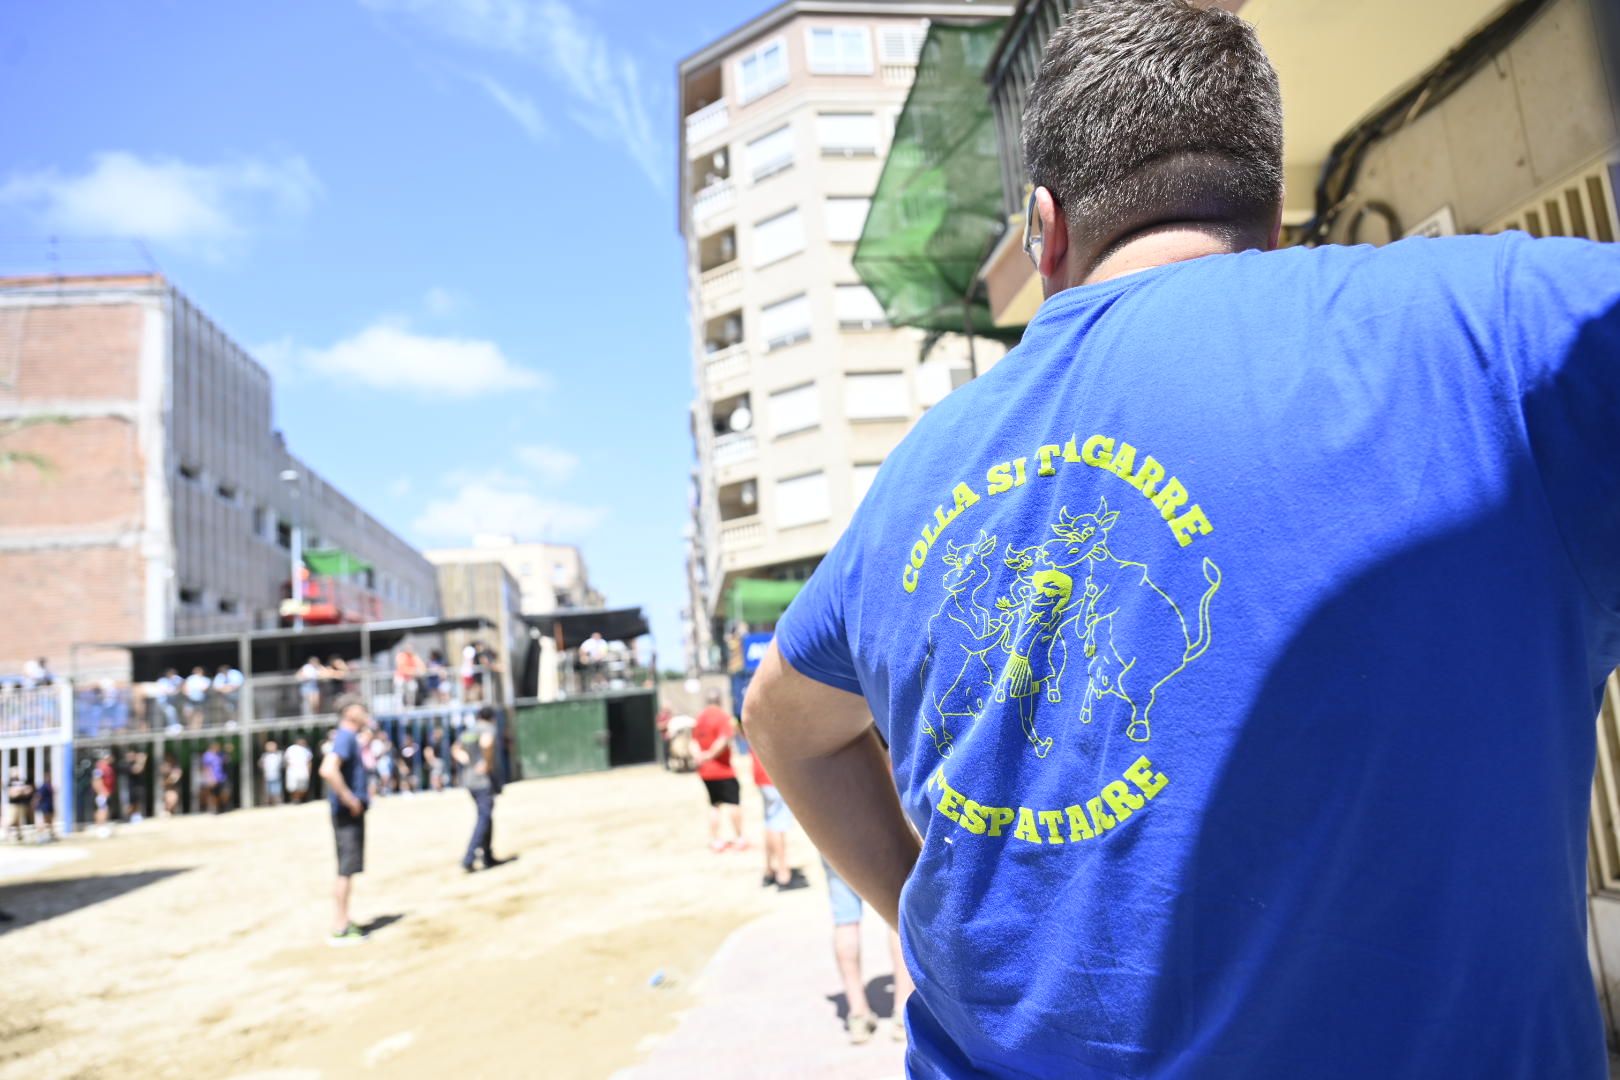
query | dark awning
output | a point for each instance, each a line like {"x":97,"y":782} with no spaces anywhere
{"x":573,"y":625}
{"x":279,"y":650}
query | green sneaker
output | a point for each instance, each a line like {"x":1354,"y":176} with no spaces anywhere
{"x":349,"y":935}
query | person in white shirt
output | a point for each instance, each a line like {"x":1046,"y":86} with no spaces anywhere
{"x":196,"y":689}
{"x":296,"y":763}
{"x":270,"y":764}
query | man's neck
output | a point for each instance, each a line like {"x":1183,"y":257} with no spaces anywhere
{"x":1161,"y":245}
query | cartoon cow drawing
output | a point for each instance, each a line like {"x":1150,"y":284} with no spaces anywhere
{"x":1117,"y":623}
{"x":960,"y":633}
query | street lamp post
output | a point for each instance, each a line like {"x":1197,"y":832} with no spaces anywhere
{"x":291,"y":478}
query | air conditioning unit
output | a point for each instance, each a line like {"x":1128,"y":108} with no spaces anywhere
{"x":1581,"y":205}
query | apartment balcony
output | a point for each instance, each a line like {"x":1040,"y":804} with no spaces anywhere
{"x":740,"y":535}
{"x":893,"y":75}
{"x":718,"y":288}
{"x":733,"y":449}
{"x":724,"y":370}
{"x":714,"y":200}
{"x":707,"y":122}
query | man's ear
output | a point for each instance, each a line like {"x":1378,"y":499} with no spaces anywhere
{"x":1054,"y":234}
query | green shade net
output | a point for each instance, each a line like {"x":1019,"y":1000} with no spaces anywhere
{"x":762,"y":601}
{"x":334,"y":562}
{"x":937,"y":209}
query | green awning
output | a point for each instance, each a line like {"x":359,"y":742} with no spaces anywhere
{"x":334,"y":562}
{"x":758,"y":602}
{"x":937,"y":209}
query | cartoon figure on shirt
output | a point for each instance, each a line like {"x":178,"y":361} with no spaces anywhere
{"x":1036,"y":653}
{"x":959,"y":614}
{"x":1123,"y":658}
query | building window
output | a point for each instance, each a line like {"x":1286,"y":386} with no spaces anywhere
{"x":770,"y":153}
{"x":228,"y":606}
{"x":846,"y":217}
{"x":778,"y":237}
{"x":284,"y":535}
{"x":190,"y":597}
{"x":227,"y":492}
{"x":902,"y":44}
{"x":261,"y":523}
{"x":848,"y":133}
{"x":797,"y":408}
{"x":785,"y":322}
{"x":762,"y":70}
{"x":858,"y":309}
{"x":840,"y":50}
{"x":881,"y":395}
{"x":802,"y":500}
{"x":861,"y":479}
{"x":190,"y":472}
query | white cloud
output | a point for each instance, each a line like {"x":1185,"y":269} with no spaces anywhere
{"x":401,"y":487}
{"x":207,"y":208}
{"x":549,"y":462}
{"x":517,"y":106}
{"x":391,"y":356}
{"x":604,"y":84}
{"x":494,"y":506}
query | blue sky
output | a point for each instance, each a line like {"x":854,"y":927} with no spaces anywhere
{"x":447,"y":226}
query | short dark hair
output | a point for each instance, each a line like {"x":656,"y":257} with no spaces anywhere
{"x":486,"y":713}
{"x":345,"y":702}
{"x":1155,"y":109}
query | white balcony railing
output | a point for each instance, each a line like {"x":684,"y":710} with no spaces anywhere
{"x":734,"y":448}
{"x":725,"y":364}
{"x":741,"y":533}
{"x":720,"y":281}
{"x":707,"y":121}
{"x":718,"y":196}
{"x":893,"y":74}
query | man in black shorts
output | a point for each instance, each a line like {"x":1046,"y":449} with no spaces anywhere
{"x":344,"y":772}
{"x":713,"y":733}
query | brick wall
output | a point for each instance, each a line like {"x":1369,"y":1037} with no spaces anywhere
{"x":70,"y":533}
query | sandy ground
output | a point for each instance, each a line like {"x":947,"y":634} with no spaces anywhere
{"x":194,"y":947}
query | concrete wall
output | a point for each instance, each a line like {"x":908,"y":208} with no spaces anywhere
{"x":490,"y":590}
{"x":1536,"y":113}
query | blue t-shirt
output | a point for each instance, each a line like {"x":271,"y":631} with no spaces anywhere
{"x":1238,"y":639}
{"x":346,"y":745}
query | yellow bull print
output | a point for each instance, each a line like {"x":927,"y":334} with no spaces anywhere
{"x":1117,"y":624}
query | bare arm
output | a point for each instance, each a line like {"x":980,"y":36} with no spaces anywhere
{"x":486,"y":743}
{"x":332,"y":773}
{"x":822,"y":751}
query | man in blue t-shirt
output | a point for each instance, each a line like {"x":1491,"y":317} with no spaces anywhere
{"x":344,"y":772}
{"x":1236,"y":640}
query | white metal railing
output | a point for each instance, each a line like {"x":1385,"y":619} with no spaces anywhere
{"x":721,"y":279}
{"x":734,"y":447}
{"x":30,"y":711}
{"x":718,"y":196}
{"x":741,"y":533}
{"x":707,"y":121}
{"x":1605,"y":820}
{"x":725,"y":364}
{"x":899,"y":74}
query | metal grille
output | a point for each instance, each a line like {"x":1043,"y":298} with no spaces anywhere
{"x":1605,"y":827}
{"x":1583,"y":206}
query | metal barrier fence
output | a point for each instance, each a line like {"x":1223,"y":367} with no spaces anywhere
{"x":29,"y":711}
{"x":1605,"y":829}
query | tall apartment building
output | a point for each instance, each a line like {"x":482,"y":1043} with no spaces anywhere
{"x":801,"y":387}
{"x":155,"y":500}
{"x":550,"y":577}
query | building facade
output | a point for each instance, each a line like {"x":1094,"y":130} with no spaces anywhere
{"x":802,"y":388}
{"x":549,"y":577}
{"x":149,"y":495}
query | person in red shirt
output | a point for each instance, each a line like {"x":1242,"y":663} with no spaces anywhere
{"x":712,"y":733}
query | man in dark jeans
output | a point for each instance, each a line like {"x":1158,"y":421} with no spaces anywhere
{"x":344,"y":772}
{"x":474,"y":751}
